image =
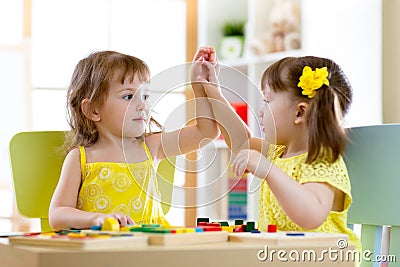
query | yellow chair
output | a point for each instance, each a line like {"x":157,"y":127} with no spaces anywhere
{"x":372,"y":158}
{"x":36,"y":163}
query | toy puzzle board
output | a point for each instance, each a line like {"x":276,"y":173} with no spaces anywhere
{"x":289,"y":238}
{"x":188,"y":238}
{"x":89,"y":243}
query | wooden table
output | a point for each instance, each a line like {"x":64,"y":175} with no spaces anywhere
{"x":217,"y":254}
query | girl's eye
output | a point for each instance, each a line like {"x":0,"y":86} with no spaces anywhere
{"x":145,"y":97}
{"x":128,"y":97}
{"x":266,"y":101}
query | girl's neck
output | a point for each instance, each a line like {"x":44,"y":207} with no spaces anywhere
{"x":115,"y":141}
{"x":127,"y":150}
{"x":295,"y":148}
{"x":288,"y":153}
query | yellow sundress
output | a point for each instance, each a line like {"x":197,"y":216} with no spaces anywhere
{"x":128,"y":188}
{"x":322,"y":171}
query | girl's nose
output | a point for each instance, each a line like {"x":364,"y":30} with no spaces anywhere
{"x":140,"y":105}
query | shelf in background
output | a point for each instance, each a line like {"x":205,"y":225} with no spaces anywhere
{"x":268,"y":58}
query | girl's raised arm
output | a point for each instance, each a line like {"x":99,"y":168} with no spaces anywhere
{"x":204,"y":129}
{"x":236,"y":133}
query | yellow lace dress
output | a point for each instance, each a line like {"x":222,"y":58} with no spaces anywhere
{"x":128,"y":188}
{"x":334,"y":174}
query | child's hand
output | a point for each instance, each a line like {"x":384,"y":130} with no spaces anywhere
{"x":207,"y":53}
{"x":204,"y":54}
{"x":210,"y":85}
{"x":248,"y":160}
{"x":121,"y":218}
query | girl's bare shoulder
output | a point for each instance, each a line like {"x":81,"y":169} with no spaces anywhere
{"x":153,"y":142}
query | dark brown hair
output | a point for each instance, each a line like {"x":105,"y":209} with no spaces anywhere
{"x":91,"y":80}
{"x":327,"y":136}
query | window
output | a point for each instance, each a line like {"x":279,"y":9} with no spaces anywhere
{"x":36,"y":69}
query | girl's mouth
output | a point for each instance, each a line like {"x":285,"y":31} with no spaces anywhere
{"x":139,"y":119}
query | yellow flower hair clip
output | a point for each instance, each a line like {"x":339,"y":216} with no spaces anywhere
{"x":311,"y":80}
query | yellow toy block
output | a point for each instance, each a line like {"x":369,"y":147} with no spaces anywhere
{"x":228,"y":229}
{"x":76,"y":235}
{"x":126,"y":228}
{"x":110,"y":224}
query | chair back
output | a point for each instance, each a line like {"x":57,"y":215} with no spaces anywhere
{"x":372,"y":157}
{"x":36,"y":162}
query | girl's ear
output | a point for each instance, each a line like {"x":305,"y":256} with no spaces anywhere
{"x":88,"y":111}
{"x":300,"y":111}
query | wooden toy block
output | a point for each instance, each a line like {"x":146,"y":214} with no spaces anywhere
{"x":238,"y":229}
{"x":110,"y":224}
{"x":151,"y":230}
{"x":212,"y":228}
{"x":214,"y":224}
{"x":200,"y":219}
{"x":126,"y":228}
{"x":239,"y":222}
{"x":250,"y":226}
{"x":295,"y":234}
{"x":76,"y":235}
{"x":151,"y":225}
{"x":271,"y":228}
{"x":228,"y":229}
{"x":224,"y":223}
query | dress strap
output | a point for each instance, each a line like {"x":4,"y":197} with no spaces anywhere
{"x":83,"y":158}
{"x":145,"y":147}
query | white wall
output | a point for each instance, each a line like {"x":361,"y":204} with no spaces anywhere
{"x":350,"y":33}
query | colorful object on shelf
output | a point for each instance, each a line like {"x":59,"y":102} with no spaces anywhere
{"x":241,"y":109}
{"x":231,"y":47}
{"x":237,"y":196}
{"x":232,"y":42}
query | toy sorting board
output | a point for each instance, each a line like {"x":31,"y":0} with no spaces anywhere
{"x":173,"y":235}
{"x":106,"y":242}
{"x":181,"y":236}
{"x":289,"y":238}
